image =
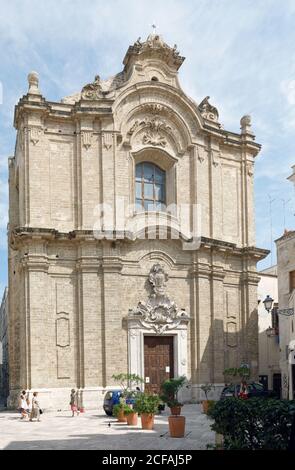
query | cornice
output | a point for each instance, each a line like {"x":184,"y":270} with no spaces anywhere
{"x":26,"y":233}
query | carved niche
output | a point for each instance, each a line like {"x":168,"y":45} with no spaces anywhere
{"x":159,"y":313}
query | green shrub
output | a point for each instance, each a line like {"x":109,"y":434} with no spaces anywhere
{"x":170,"y":389}
{"x":128,"y":410}
{"x":117,"y":408}
{"x":147,"y":403}
{"x":254,"y":423}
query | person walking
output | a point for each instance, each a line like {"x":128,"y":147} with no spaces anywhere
{"x":36,"y":410}
{"x":29,"y":405}
{"x":74,"y":402}
{"x":22,"y":405}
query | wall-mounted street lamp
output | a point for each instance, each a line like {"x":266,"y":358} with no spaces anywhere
{"x":268,"y":301}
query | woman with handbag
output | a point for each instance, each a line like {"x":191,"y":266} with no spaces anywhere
{"x":36,"y":410}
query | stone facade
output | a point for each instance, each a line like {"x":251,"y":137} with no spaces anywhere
{"x":73,"y":281}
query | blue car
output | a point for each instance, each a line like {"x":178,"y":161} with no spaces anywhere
{"x":112,"y":398}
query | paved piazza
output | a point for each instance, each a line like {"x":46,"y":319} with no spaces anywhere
{"x":91,"y":431}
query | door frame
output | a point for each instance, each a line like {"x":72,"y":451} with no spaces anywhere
{"x":136,"y":334}
{"x":173,"y":351}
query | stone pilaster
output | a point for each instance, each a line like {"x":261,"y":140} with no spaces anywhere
{"x":218,"y":323}
{"x":114,"y":336}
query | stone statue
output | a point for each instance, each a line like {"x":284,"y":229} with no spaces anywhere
{"x":92,"y":91}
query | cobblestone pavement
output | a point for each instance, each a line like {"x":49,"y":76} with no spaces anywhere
{"x":92,"y":431}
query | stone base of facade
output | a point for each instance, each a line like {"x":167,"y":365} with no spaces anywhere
{"x":57,"y":399}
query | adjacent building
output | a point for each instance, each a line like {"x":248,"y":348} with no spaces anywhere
{"x":269,"y":332}
{"x":131,"y":236}
{"x":286,"y":288}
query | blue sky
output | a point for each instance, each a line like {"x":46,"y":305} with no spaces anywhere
{"x":240,"y":52}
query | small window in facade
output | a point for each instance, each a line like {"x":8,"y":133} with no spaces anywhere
{"x":150,"y":187}
{"x":291,"y":281}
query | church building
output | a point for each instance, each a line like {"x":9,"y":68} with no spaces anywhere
{"x":131,"y":236}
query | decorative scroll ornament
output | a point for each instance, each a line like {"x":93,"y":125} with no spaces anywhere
{"x":87,"y":139}
{"x":154,"y":138}
{"x":208,"y":111}
{"x":154,"y":134}
{"x":92,"y":91}
{"x":159,"y":313}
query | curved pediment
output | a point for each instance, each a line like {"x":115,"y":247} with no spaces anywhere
{"x":157,"y":115}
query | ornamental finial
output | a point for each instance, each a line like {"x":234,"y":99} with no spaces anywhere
{"x":33,"y":80}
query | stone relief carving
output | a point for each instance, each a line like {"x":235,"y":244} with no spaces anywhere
{"x":87,"y":139}
{"x":208,"y":111}
{"x":159,"y":312}
{"x":250,"y":169}
{"x":35,"y":134}
{"x":107,"y":140}
{"x":154,"y":134}
{"x":92,"y":91}
{"x":200,"y":155}
{"x":154,"y":108}
{"x":215,"y":157}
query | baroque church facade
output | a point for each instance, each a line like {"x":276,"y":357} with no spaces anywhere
{"x":103,"y":278}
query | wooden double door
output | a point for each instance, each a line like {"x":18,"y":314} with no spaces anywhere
{"x":158,"y":361}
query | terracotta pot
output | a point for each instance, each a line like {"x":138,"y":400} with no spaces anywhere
{"x":176,"y":426}
{"x":82,"y":409}
{"x":147,"y":421}
{"x":205,"y":406}
{"x":132,"y":419}
{"x":175,"y":410}
{"x":121,"y":417}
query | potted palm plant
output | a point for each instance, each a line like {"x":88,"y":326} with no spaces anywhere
{"x":147,"y":406}
{"x":206,"y":388}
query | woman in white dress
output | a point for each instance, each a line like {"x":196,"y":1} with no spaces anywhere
{"x":35,"y":413}
{"x":22,"y":405}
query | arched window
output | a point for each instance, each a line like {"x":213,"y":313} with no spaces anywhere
{"x":150,"y":190}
